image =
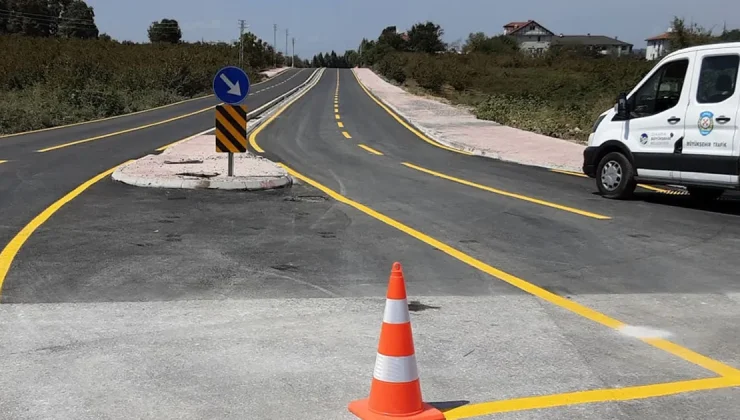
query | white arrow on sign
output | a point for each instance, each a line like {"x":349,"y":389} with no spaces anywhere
{"x":234,"y":88}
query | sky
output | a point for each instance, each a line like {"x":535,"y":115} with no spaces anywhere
{"x":325,"y":25}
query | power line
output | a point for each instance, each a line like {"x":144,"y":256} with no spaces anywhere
{"x":274,"y":44}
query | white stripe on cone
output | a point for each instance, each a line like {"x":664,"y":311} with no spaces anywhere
{"x":395,"y":369}
{"x":396,"y":311}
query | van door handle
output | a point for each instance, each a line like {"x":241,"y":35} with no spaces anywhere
{"x":722,"y":119}
{"x":673,"y":120}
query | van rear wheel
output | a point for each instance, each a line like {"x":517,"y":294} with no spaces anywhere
{"x":705,"y":194}
{"x":615,"y":176}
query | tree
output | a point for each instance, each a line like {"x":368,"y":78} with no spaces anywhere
{"x":33,"y":17}
{"x":682,"y":36}
{"x":480,"y":43}
{"x":105,"y":37}
{"x":426,"y":38}
{"x":390,"y":36}
{"x":166,"y":30}
{"x":77,"y":20}
{"x":730,"y":36}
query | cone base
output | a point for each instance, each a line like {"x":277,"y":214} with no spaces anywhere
{"x":361,"y":409}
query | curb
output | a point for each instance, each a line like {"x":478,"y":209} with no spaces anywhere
{"x":195,"y":183}
{"x":463,"y":148}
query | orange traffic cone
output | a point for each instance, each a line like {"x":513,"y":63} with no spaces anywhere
{"x":395,"y":391}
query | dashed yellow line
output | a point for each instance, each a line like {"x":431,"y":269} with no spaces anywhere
{"x":3,"y":161}
{"x":370,"y":149}
{"x":340,"y":124}
{"x":337,"y":117}
{"x":508,"y":194}
{"x":336,"y":110}
{"x":346,"y":134}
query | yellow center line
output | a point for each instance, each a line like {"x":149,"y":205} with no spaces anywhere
{"x":130,"y":130}
{"x":3,"y":161}
{"x":11,"y":249}
{"x":340,"y":124}
{"x":253,"y":136}
{"x":586,"y":397}
{"x":688,"y":355}
{"x":346,"y":134}
{"x":337,"y":117}
{"x":370,"y":149}
{"x":336,"y":110}
{"x":508,"y":194}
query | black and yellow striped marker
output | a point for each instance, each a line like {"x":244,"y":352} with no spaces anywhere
{"x":231,"y":128}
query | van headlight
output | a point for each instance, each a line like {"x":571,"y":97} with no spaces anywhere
{"x":598,"y":121}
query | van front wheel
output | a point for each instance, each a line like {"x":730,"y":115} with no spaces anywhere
{"x":615,"y":176}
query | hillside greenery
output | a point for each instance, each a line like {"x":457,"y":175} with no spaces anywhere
{"x":55,"y":68}
{"x":558,"y":94}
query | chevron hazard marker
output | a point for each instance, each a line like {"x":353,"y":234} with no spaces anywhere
{"x":395,"y":392}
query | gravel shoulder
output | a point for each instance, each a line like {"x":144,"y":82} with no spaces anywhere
{"x":458,"y":128}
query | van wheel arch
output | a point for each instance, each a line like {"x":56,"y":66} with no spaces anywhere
{"x":614,"y":146}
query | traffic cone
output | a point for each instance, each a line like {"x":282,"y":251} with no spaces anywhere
{"x":395,"y":391}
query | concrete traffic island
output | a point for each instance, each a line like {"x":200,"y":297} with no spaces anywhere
{"x":195,"y":164}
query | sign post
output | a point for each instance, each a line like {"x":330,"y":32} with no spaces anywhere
{"x":231,"y":86}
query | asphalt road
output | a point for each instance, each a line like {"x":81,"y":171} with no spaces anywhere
{"x":208,"y":303}
{"x":31,"y":180}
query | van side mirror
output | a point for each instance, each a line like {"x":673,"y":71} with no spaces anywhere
{"x":623,"y":111}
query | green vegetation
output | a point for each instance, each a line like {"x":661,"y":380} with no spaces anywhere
{"x":559,"y":94}
{"x":56,"y":69}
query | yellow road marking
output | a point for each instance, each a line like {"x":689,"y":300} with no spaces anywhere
{"x":565,"y":303}
{"x":3,"y":161}
{"x":336,"y":110}
{"x":647,"y":187}
{"x":562,"y":171}
{"x":104,"y":119}
{"x":49,"y":149}
{"x":370,"y":149}
{"x":403,"y":123}
{"x":508,"y":194}
{"x":11,"y":249}
{"x":253,"y":136}
{"x":337,"y":117}
{"x":346,"y":134}
{"x":340,"y":124}
{"x":586,"y":397}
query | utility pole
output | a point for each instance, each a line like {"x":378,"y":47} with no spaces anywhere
{"x":274,"y":44}
{"x":242,"y":24}
{"x":286,"y":47}
{"x":292,"y":59}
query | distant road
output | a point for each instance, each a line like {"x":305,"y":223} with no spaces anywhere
{"x":40,"y":167}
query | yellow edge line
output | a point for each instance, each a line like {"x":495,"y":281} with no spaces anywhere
{"x":647,"y":187}
{"x":104,"y":119}
{"x":403,"y":123}
{"x":508,"y":194}
{"x":586,"y":397}
{"x":370,"y":149}
{"x":346,"y":134}
{"x":49,"y":149}
{"x":570,"y":305}
{"x":253,"y":136}
{"x":15,"y":244}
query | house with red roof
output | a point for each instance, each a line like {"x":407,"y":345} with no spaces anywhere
{"x":533,"y":38}
{"x":530,"y":36}
{"x":658,"y":46}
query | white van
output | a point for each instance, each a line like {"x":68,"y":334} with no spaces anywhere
{"x":678,"y":126}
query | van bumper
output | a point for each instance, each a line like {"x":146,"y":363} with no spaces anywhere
{"x":589,"y":161}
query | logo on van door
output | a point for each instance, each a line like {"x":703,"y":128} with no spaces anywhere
{"x":644,"y":139}
{"x":706,"y":123}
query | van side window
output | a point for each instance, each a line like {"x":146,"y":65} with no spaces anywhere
{"x":662,"y":91}
{"x":717,"y":79}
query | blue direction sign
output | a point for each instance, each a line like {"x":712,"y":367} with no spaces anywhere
{"x":231,"y":85}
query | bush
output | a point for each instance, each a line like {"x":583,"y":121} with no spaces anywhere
{"x":392,"y":67}
{"x":52,"y":81}
{"x":559,"y":94}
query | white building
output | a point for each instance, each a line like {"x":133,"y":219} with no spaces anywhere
{"x":530,"y":36}
{"x":658,"y":46}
